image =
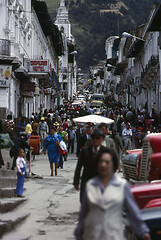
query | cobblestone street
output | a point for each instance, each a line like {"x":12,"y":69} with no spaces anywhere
{"x":52,"y":203}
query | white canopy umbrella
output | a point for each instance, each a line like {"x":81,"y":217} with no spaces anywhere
{"x":93,"y":119}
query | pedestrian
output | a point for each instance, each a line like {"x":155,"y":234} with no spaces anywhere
{"x":108,"y":142}
{"x":52,"y":145}
{"x":19,"y":143}
{"x":127,"y":136}
{"x":62,"y":151}
{"x":87,"y":161}
{"x":118,"y":144}
{"x":28,"y":129}
{"x":21,"y":172}
{"x":104,"y":201}
{"x":21,"y":126}
{"x":42,"y":130}
{"x":34,"y":126}
{"x":83,"y":138}
{"x":9,"y":126}
{"x":72,"y":136}
{"x":1,"y":132}
{"x":49,"y":121}
{"x":64,"y":135}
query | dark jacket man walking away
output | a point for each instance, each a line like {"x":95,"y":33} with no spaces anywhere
{"x":87,"y":161}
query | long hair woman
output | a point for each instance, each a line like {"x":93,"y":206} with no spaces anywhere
{"x":105,"y":198}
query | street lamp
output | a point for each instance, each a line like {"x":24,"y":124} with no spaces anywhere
{"x":128,"y":35}
{"x":73,"y":53}
{"x":110,"y":66}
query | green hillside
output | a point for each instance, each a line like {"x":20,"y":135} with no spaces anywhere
{"x":93,"y":21}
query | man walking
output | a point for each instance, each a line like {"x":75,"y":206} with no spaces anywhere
{"x":108,"y":142}
{"x":43,"y":130}
{"x":127,"y":136}
{"x":83,"y":139}
{"x":87,"y":161}
{"x":72,"y":136}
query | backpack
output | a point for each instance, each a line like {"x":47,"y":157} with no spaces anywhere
{"x":5,"y":141}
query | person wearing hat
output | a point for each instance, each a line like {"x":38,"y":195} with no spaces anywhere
{"x":56,"y":125}
{"x":87,"y":161}
{"x":42,"y":130}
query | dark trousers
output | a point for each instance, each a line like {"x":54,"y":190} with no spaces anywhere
{"x":71,"y":145}
{"x":1,"y":159}
{"x":61,"y":161}
{"x":14,"y":163}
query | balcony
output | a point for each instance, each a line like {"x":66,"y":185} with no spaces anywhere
{"x":5,"y":47}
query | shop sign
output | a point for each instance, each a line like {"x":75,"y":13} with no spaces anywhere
{"x":37,"y":91}
{"x":39,"y":66}
{"x":29,"y":87}
{"x":47,"y":91}
{"x":5,"y":75}
{"x":28,"y":94}
{"x":29,"y":100}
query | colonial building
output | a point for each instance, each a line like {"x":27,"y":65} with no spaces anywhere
{"x":67,"y":62}
{"x":29,"y":48}
{"x":138,"y":64}
{"x":111,"y":50}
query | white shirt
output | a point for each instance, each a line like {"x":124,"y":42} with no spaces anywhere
{"x":88,"y":136}
{"x":98,"y":148}
{"x":20,"y":163}
{"x":126,"y":132}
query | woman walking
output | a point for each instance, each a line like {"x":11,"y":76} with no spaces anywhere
{"x":103,"y":204}
{"x":51,"y":145}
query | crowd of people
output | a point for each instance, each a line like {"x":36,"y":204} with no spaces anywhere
{"x":98,"y":149}
{"x":127,"y":132}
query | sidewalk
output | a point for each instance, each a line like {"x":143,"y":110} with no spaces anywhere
{"x":52,"y":203}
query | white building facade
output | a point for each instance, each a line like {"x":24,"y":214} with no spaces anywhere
{"x":140,"y":63}
{"x":29,"y":53}
{"x":111,"y":80}
{"x":67,"y":62}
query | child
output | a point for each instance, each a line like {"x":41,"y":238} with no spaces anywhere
{"x":62,"y":151}
{"x":21,"y":172}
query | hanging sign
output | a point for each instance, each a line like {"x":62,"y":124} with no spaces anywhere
{"x":5,"y":75}
{"x":39,"y":66}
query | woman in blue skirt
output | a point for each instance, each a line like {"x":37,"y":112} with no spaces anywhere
{"x":52,"y":145}
{"x":21,"y":172}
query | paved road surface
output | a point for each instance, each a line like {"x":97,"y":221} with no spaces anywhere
{"x":52,"y":202}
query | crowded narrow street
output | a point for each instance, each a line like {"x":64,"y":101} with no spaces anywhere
{"x":52,"y":203}
{"x":80,"y":120}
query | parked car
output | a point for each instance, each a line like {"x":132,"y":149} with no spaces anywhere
{"x":152,"y":217}
{"x":97,"y":97}
{"x":145,"y":164}
{"x":143,"y":193}
{"x":148,"y":198}
{"x":97,"y":104}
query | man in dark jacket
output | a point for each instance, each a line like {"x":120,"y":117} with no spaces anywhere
{"x":83,"y":139}
{"x":87,"y":161}
{"x":20,"y":142}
